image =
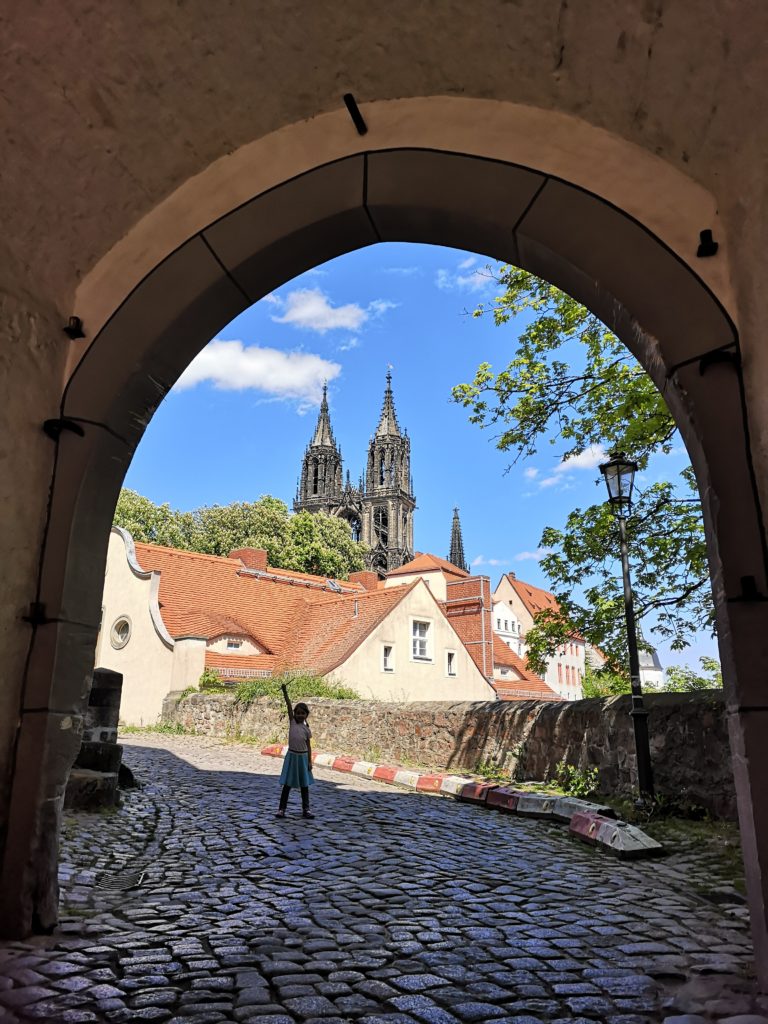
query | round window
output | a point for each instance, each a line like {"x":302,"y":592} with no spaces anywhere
{"x":120,"y":633}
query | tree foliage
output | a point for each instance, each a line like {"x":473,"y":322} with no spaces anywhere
{"x":319,"y":543}
{"x":683,"y":679}
{"x":583,"y":398}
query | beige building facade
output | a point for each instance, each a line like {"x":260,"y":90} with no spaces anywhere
{"x":617,"y":150}
{"x":397,"y":646}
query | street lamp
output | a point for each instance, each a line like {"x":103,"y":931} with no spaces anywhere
{"x":619,"y":475}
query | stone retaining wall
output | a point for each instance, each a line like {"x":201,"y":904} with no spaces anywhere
{"x":689,"y":737}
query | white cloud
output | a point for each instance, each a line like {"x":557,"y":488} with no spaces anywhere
{"x":272,"y":299}
{"x":561,"y":477}
{"x":530,"y":473}
{"x":379,"y":307}
{"x":310,"y":309}
{"x":233,"y":366}
{"x":475,"y":280}
{"x":404,"y":271}
{"x":482,"y":560}
{"x":588,"y":459}
{"x":550,"y":481}
{"x":533,"y":556}
{"x":347,"y":346}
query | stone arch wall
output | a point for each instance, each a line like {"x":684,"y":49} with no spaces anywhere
{"x":117,"y":165}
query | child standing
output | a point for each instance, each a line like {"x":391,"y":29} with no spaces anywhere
{"x":297,"y":766}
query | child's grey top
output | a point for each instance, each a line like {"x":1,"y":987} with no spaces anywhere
{"x":299,"y":735}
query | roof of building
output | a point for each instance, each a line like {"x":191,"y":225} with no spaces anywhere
{"x":523,"y":690}
{"x":428,"y":563}
{"x":240,"y":666}
{"x":534,"y":598}
{"x":299,"y":620}
{"x":504,"y":656}
{"x":330,"y":632}
{"x":196,"y":589}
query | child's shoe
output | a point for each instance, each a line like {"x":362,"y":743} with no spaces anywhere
{"x":280,"y":813}
{"x":307,"y":814}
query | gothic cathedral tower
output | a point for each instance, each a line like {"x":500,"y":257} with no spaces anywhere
{"x":319,"y":488}
{"x":388,"y":500}
{"x":380,"y":509}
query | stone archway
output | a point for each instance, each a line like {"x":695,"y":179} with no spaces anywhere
{"x":615,"y":259}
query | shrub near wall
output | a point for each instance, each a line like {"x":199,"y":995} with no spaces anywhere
{"x":689,"y":738}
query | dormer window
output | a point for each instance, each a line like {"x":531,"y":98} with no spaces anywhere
{"x":233,"y":644}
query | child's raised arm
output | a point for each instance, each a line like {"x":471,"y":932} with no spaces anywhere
{"x":287,"y":700}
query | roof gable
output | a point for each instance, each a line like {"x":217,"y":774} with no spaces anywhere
{"x":423,"y":562}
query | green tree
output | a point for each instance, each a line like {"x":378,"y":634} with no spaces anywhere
{"x":323,"y":545}
{"x":683,"y":679}
{"x":604,"y":683}
{"x":583,"y":398}
{"x":219,"y":529}
{"x":152,"y":524}
{"x":318,"y":544}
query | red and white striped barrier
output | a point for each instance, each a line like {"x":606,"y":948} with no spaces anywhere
{"x":592,"y":823}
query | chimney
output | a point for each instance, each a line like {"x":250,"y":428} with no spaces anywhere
{"x":368,"y":580}
{"x":252,"y":558}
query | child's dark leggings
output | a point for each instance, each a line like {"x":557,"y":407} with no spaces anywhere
{"x":287,"y":792}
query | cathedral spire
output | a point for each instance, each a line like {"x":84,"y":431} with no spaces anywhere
{"x":456,"y":556}
{"x":323,"y":433}
{"x":388,"y":425}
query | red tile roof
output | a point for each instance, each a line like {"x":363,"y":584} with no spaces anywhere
{"x":511,"y":690}
{"x":504,"y":656}
{"x":204,"y":595}
{"x":537,"y":600}
{"x":428,"y":563}
{"x":534,"y":598}
{"x":240,"y":666}
{"x":330,"y":632}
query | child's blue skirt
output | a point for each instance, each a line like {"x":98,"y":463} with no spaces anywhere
{"x":296,"y":771}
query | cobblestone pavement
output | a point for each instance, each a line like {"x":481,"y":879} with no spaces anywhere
{"x":390,"y":907}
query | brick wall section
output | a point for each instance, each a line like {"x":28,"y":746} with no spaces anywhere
{"x":252,"y":558}
{"x":368,"y":580}
{"x":468,"y":605}
{"x":689,"y":738}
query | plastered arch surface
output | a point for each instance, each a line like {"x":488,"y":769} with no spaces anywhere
{"x":670,"y":317}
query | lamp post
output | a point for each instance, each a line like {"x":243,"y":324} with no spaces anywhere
{"x":619,"y":475}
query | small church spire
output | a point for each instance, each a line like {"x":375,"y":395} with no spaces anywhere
{"x":323,"y":436}
{"x":388,"y":424}
{"x":456,"y":556}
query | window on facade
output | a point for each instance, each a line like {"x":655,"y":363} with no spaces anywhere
{"x":498,"y":623}
{"x":120,"y":633}
{"x":420,"y":640}
{"x":450,"y":663}
{"x":506,"y":624}
{"x":234,"y":644}
{"x":388,"y":658}
{"x":315,"y":475}
{"x":559,"y":672}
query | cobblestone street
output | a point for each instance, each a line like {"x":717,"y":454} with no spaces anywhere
{"x":193,"y":903}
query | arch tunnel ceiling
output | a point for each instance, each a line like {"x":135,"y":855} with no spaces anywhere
{"x":590,"y":249}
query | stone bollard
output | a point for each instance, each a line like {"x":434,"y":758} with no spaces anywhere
{"x":94,"y":776}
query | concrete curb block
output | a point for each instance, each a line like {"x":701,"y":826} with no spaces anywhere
{"x":625,"y":841}
{"x":591,"y":823}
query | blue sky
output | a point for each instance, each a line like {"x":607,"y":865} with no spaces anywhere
{"x":236,"y":424}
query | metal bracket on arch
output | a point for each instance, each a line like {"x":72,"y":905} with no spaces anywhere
{"x":720,"y":355}
{"x":54,"y":428}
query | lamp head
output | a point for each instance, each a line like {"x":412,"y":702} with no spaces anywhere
{"x":619,"y":475}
